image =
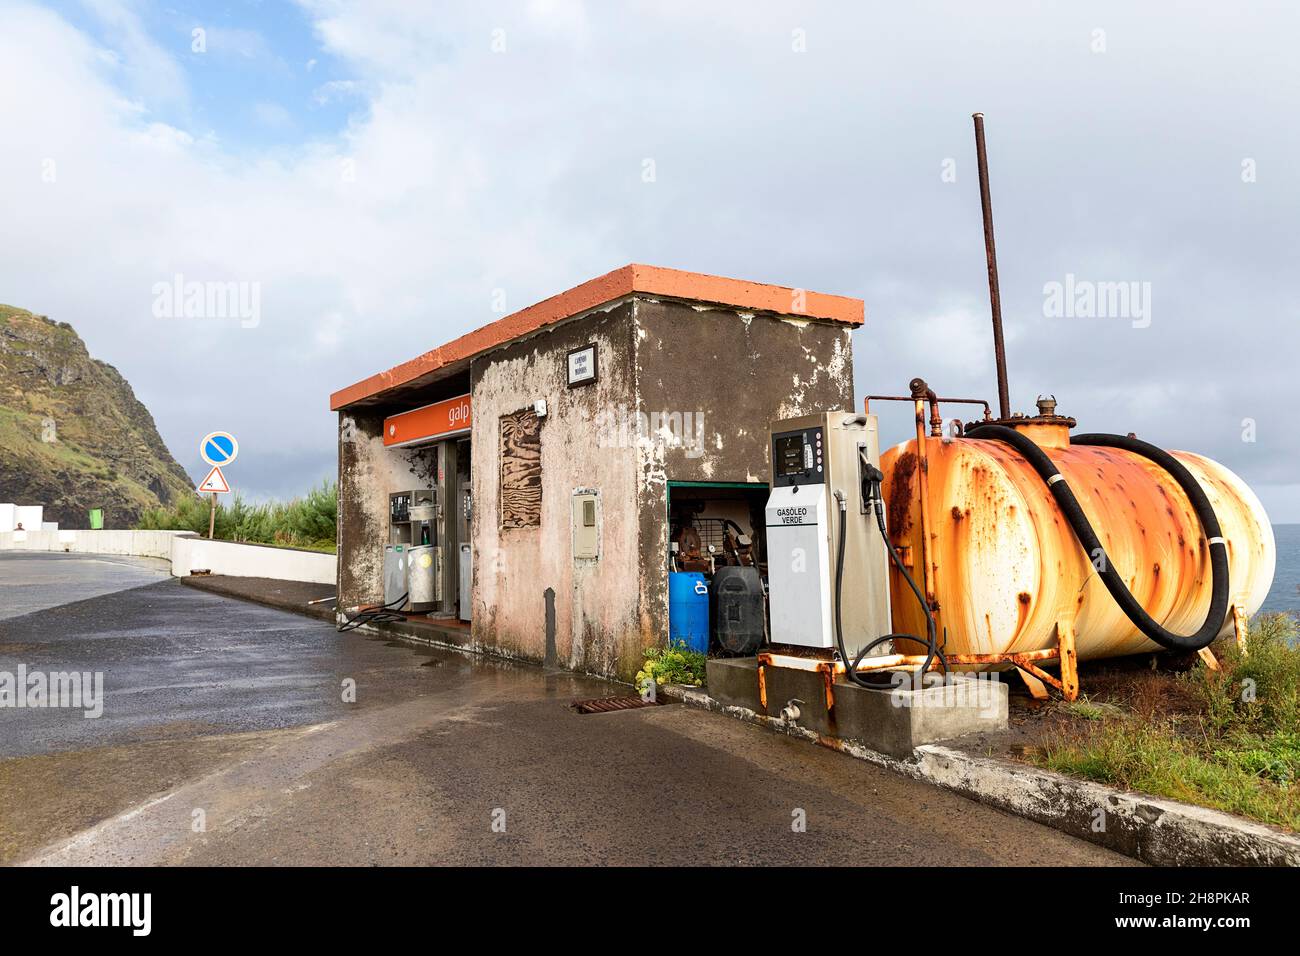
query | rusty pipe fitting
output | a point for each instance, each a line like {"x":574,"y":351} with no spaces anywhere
{"x":922,"y":391}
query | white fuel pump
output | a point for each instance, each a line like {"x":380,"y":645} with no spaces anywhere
{"x":817,"y":468}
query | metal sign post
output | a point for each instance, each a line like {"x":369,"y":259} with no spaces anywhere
{"x":217,"y":449}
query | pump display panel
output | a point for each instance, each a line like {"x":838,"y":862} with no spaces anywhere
{"x":797,"y":458}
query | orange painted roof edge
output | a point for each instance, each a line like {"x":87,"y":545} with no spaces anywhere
{"x":630,"y":279}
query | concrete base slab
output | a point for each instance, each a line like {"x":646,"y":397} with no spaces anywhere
{"x":892,"y":720}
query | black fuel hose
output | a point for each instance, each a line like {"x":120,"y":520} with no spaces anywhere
{"x":871,"y":496}
{"x":1114,"y":582}
{"x":382,"y":614}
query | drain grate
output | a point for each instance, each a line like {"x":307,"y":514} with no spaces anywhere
{"x":607,"y":705}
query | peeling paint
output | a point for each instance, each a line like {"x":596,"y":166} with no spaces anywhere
{"x":722,"y":370}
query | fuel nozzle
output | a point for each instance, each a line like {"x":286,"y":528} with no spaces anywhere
{"x":871,"y":479}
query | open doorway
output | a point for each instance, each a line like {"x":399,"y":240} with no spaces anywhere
{"x":715,"y":525}
{"x":717,"y":566}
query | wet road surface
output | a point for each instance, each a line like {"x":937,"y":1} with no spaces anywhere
{"x":226,"y":739}
{"x":34,"y":580}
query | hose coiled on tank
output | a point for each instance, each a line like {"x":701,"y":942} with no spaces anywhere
{"x":1079,"y":523}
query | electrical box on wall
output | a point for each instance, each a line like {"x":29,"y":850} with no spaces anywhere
{"x":586,"y":525}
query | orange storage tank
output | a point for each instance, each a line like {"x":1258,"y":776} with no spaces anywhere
{"x":1004,"y":566}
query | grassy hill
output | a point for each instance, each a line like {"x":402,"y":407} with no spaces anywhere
{"x":103,"y":450}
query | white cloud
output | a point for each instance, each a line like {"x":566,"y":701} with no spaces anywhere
{"x":465,"y":170}
{"x":335,"y":90}
{"x":149,"y":70}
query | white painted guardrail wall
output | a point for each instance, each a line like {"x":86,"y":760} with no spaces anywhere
{"x":252,"y":561}
{"x":186,"y":551}
{"x":135,"y":544}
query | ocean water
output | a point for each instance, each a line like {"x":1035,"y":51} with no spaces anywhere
{"x":1285,"y":593}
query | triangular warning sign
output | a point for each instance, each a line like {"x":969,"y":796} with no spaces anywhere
{"x":215,"y":482}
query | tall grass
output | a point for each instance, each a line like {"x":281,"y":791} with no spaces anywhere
{"x":306,"y":522}
{"x":1238,"y":749}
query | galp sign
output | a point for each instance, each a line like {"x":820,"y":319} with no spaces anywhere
{"x":443,"y":419}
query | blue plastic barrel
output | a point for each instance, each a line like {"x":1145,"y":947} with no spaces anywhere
{"x":688,"y":609}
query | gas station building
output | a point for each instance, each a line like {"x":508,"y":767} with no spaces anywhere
{"x":551,"y":468}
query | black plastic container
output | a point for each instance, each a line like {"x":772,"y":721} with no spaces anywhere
{"x":736,"y":606}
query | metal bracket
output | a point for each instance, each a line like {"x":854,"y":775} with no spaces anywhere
{"x":828,"y":679}
{"x":1026,"y":664}
{"x":1241,"y":625}
{"x":1069,"y":660}
{"x":1036,"y":688}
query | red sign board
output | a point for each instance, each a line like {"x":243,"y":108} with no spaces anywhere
{"x":443,"y":419}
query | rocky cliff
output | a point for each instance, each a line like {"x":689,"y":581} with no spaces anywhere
{"x":73,"y":436}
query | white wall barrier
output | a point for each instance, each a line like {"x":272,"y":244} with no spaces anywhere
{"x":135,"y":544}
{"x":251,"y":561}
{"x":30,"y":517}
{"x":186,"y":551}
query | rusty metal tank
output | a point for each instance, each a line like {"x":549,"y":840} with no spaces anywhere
{"x":987,"y":543}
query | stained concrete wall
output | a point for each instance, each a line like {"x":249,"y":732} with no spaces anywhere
{"x":598,"y":628}
{"x":733,"y":373}
{"x":684,"y":393}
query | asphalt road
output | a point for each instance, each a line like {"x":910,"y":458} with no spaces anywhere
{"x":225,"y":739}
{"x":33,"y":580}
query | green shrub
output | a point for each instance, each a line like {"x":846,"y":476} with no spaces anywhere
{"x":306,"y":522}
{"x":1154,"y":759}
{"x":1275,"y":758}
{"x":1257,"y":692}
{"x":674,"y":664}
{"x":1239,"y":753}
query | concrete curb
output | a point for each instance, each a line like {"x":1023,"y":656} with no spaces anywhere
{"x":1154,"y":830}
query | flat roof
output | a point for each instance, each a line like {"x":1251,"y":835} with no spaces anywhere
{"x":629,"y":280}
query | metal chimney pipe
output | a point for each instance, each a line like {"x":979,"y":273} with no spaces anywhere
{"x":990,"y":251}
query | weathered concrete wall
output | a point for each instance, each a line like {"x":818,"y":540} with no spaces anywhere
{"x":368,"y":473}
{"x":683,"y":393}
{"x":730,"y":375}
{"x":597,"y":626}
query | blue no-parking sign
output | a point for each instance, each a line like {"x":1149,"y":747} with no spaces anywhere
{"x":219,"y":448}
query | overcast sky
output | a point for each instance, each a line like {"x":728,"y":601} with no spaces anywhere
{"x":377,"y":171}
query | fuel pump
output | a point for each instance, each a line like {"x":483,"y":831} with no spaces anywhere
{"x":819,"y":464}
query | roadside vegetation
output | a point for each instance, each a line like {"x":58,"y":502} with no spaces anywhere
{"x":306,"y":522}
{"x":1229,"y":739}
{"x":674,"y":664}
